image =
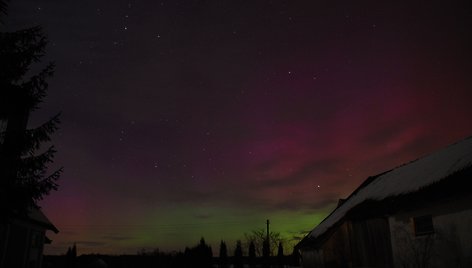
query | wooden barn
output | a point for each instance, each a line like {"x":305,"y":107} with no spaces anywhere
{"x":416,"y":215}
{"x":22,"y":239}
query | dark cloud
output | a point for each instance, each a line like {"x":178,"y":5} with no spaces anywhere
{"x":304,"y":173}
{"x":296,"y":204}
{"x":117,"y":237}
{"x":91,"y":244}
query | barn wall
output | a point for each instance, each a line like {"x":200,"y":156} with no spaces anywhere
{"x":312,"y":258}
{"x":449,"y":246}
{"x":336,"y":250}
{"x":362,"y":243}
{"x":22,"y":245}
{"x":370,"y":243}
{"x":17,"y":246}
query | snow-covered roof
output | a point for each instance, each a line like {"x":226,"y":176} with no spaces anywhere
{"x":405,"y":179}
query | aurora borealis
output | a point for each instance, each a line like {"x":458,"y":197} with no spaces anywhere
{"x":191,"y":118}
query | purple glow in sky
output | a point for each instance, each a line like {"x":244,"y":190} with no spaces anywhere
{"x":184,"y":119}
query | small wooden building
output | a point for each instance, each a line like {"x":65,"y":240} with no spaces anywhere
{"x":22,"y":239}
{"x":416,"y":215}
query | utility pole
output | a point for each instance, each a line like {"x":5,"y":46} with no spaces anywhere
{"x":268,"y":237}
{"x":266,"y":248}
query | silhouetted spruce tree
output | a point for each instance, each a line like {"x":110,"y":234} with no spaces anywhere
{"x":252,"y":255}
{"x":238,"y":255}
{"x":223,"y":260}
{"x":187,"y":257}
{"x":280,"y":255}
{"x":202,"y":254}
{"x":280,"y":251}
{"x":23,"y":160}
{"x":71,"y":257}
{"x":74,"y":251}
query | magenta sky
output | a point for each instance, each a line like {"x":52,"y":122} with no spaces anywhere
{"x":184,"y":119}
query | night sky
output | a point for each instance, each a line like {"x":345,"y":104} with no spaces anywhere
{"x":183,"y":119}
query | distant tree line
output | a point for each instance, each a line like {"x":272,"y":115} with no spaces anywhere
{"x":200,"y":255}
